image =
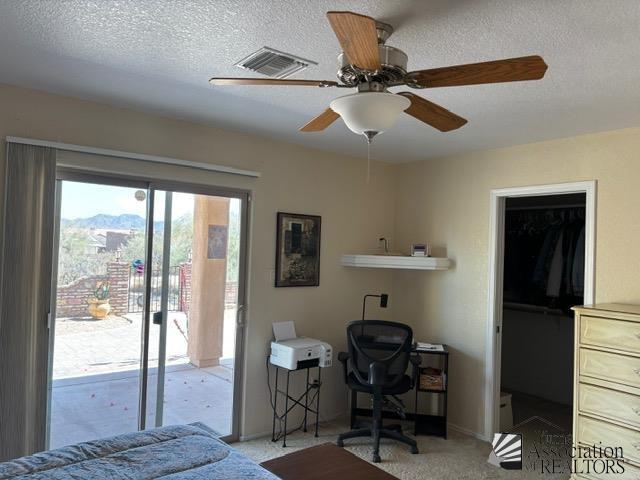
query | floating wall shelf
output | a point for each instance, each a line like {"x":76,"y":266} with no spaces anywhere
{"x":395,"y":261}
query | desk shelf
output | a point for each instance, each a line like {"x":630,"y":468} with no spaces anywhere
{"x":427,"y":424}
{"x":433,"y":425}
{"x":400,"y":262}
{"x":431,"y":390}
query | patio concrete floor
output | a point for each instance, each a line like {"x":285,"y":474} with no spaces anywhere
{"x":85,"y":347}
{"x":96,"y":379}
{"x":95,"y":406}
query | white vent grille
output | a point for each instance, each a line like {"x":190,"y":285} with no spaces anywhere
{"x":273,"y":63}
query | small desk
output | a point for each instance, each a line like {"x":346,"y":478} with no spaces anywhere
{"x":423,"y":424}
{"x":302,"y":401}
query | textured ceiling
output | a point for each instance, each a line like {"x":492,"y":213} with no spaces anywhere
{"x":158,"y":55}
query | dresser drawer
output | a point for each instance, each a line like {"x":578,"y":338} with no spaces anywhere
{"x":610,"y":366}
{"x":630,"y":473}
{"x":612,"y":404}
{"x":595,"y":432}
{"x":606,"y":332}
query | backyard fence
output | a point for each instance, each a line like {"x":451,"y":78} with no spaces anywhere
{"x":127,"y":291}
{"x":136,"y":290}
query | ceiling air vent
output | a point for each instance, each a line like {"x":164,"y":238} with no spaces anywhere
{"x":273,"y":63}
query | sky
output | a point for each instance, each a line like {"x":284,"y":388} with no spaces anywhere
{"x":83,"y":200}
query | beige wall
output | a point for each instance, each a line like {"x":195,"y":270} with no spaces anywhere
{"x":294,"y":179}
{"x":446,"y":201}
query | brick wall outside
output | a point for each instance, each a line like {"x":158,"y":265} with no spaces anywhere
{"x":72,"y":299}
{"x":185,"y":287}
{"x":230,"y":294}
{"x":118,"y":274}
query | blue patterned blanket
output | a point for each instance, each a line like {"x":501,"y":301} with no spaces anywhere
{"x":184,"y":452}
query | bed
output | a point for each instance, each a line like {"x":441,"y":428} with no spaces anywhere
{"x":189,"y":452}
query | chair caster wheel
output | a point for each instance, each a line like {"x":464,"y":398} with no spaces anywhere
{"x":340,"y":443}
{"x":376,"y":458}
{"x":414,"y":450}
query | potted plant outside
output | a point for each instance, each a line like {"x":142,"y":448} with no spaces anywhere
{"x":99,"y":306}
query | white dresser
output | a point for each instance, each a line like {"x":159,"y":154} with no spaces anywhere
{"x":606,"y":397}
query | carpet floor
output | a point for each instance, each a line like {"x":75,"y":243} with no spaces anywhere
{"x":460,"y":457}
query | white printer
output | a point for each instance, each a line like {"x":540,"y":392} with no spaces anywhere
{"x":292,"y":352}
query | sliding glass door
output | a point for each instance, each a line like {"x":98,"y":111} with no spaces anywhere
{"x":194,"y":311}
{"x":95,"y":371}
{"x":148,"y":316}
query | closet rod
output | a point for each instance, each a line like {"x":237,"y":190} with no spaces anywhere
{"x":546,"y":207}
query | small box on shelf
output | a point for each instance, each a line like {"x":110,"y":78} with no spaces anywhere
{"x":420,"y":250}
{"x":432,"y":379}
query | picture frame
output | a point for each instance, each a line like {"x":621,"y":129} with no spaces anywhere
{"x":298,"y":250}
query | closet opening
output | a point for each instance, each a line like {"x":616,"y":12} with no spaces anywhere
{"x":543,"y":277}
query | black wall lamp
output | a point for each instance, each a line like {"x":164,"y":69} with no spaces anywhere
{"x":384,"y":298}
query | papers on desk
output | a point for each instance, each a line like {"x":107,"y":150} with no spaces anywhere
{"x":429,"y":347}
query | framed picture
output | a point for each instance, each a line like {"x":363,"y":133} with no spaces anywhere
{"x":298,"y":250}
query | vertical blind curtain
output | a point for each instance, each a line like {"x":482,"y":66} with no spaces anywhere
{"x":25,"y":295}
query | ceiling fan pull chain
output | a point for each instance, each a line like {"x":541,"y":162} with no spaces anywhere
{"x":369,"y":134}
{"x":368,"y":160}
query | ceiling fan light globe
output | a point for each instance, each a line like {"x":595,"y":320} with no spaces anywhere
{"x":370,"y":111}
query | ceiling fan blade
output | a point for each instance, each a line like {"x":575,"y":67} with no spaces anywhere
{"x":432,"y":114}
{"x":223,"y":81}
{"x":358,"y":38}
{"x":321,"y":122}
{"x":508,"y":70}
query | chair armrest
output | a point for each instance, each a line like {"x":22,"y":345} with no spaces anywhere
{"x":415,"y":360}
{"x":344,"y":359}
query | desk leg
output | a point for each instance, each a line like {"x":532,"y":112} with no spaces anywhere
{"x":446,"y":393}
{"x":286,"y":410}
{"x":306,"y":402}
{"x":318,"y":399}
{"x":275,"y":408}
{"x":415,"y":408}
{"x":354,"y":405}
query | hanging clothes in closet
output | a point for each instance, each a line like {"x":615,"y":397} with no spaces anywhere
{"x":544,"y":256}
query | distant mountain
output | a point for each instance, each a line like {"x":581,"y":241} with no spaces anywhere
{"x":118,"y":222}
{"x":113,"y":222}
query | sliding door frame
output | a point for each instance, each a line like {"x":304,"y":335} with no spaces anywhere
{"x":151,"y":186}
{"x":51,"y":324}
{"x":164,"y":303}
{"x":81,"y":176}
{"x":245,"y":201}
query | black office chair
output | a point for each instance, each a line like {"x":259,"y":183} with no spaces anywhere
{"x":378,"y":358}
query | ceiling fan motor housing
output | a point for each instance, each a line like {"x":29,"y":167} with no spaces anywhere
{"x":394,"y":68}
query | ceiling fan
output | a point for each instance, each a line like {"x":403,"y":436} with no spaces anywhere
{"x":371,"y":66}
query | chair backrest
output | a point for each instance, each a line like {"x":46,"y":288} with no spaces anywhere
{"x":379,"y":341}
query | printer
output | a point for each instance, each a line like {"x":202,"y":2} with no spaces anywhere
{"x":300,"y":352}
{"x":292,"y":352}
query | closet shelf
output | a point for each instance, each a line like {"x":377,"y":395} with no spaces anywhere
{"x":404,"y":262}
